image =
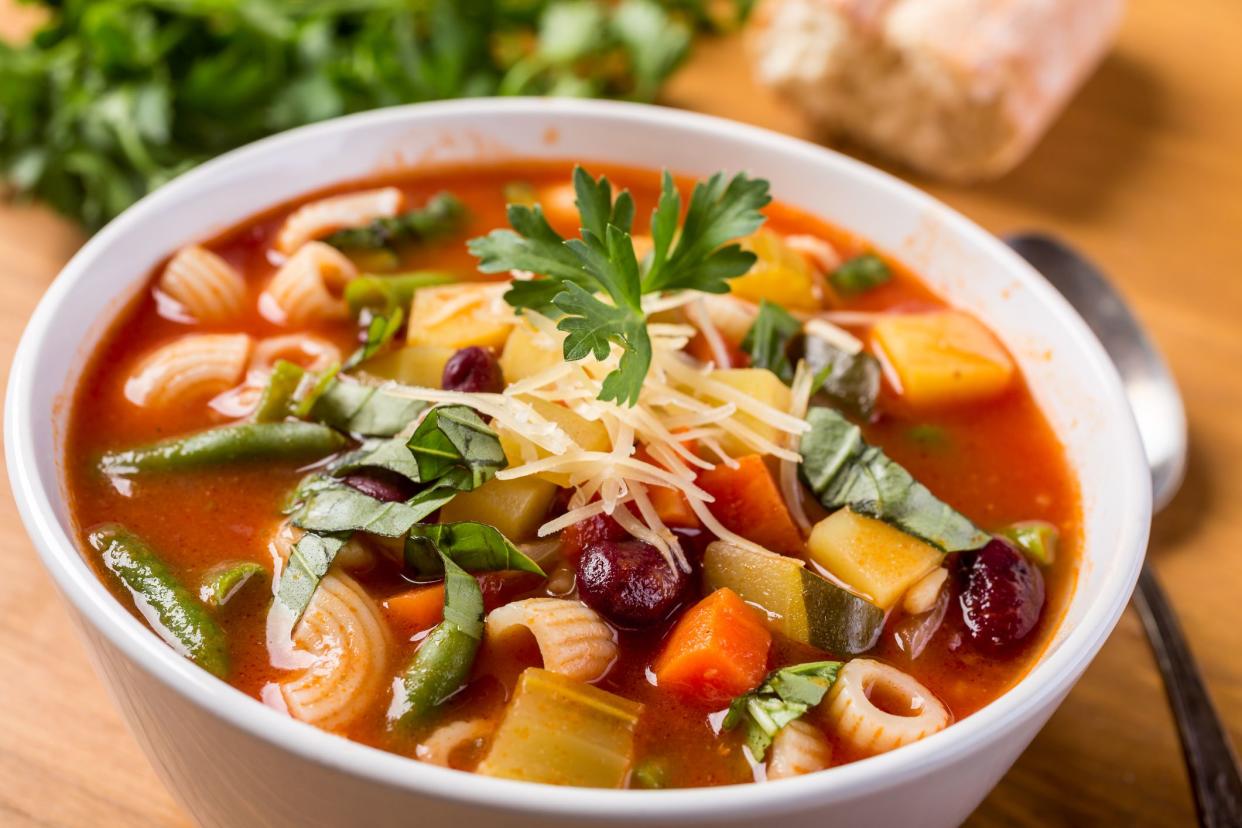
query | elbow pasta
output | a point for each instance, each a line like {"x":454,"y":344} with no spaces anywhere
{"x":343,"y":630}
{"x":307,"y":288}
{"x":799,"y":747}
{"x":327,"y":215}
{"x":312,"y":352}
{"x":191,"y":367}
{"x":863,"y":725}
{"x":573,"y":640}
{"x":445,"y":741}
{"x":205,"y":285}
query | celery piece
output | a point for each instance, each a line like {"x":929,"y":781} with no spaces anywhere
{"x":561,"y":732}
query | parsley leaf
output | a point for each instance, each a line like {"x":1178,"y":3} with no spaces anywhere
{"x":785,"y":696}
{"x":694,"y":254}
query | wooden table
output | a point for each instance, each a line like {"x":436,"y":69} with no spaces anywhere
{"x":1144,"y":171}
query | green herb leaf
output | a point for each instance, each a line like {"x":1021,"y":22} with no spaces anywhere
{"x":442,"y":216}
{"x":308,"y":563}
{"x":453,"y":446}
{"x":391,"y":454}
{"x":226,"y":580}
{"x":368,"y":410}
{"x":602,"y":261}
{"x":344,"y":509}
{"x":769,"y":339}
{"x":785,"y":696}
{"x":843,"y":470}
{"x":475,"y":547}
{"x":860,"y":274}
{"x":850,"y":381}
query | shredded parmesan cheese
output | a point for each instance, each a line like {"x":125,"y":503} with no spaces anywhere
{"x":830,"y":333}
{"x":800,"y":400}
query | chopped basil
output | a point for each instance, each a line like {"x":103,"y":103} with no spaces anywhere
{"x":368,"y":410}
{"x":843,"y":470}
{"x":308,"y":563}
{"x":474,"y":546}
{"x":441,"y":216}
{"x":769,"y":339}
{"x":226,"y":580}
{"x":785,"y":696}
{"x":343,"y":509}
{"x":380,"y":332}
{"x":850,"y":381}
{"x":453,"y":445}
{"x":1037,"y":538}
{"x":391,"y":454}
{"x":860,"y":274}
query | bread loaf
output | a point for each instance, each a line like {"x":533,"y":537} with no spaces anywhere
{"x":960,"y":89}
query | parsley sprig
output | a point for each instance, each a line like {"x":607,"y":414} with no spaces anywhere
{"x":595,"y":284}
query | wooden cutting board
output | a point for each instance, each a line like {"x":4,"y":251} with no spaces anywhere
{"x":1144,"y":172}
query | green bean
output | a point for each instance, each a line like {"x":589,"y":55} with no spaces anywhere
{"x":442,"y":664}
{"x":170,"y":608}
{"x":276,"y":400}
{"x":226,"y":580}
{"x":228,"y":444}
{"x":385,"y":294}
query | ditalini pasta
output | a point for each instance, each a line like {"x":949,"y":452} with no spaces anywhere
{"x":325,"y":215}
{"x":343,"y":631}
{"x":188,"y":368}
{"x":307,"y":288}
{"x":205,"y":285}
{"x":595,"y":511}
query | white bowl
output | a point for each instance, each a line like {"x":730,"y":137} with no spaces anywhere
{"x":234,"y":762}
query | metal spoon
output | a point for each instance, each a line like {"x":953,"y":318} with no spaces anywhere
{"x":1215,"y":776}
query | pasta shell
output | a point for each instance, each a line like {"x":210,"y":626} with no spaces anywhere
{"x":191,"y":367}
{"x":867,"y":728}
{"x":573,"y":640}
{"x":311,"y":352}
{"x":307,"y":288}
{"x":343,"y":630}
{"x":356,"y":555}
{"x":327,"y":215}
{"x":446,"y":740}
{"x":205,"y":285}
{"x":799,"y":747}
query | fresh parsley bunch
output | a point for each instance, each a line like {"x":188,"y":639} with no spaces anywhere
{"x":595,"y":284}
{"x":112,"y":98}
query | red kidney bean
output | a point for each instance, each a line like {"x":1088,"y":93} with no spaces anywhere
{"x":629,"y":582}
{"x":473,"y":370}
{"x":1002,"y":597}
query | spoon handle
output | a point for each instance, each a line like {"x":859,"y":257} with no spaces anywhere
{"x":1209,"y":755}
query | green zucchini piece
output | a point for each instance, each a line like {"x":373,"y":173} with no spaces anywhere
{"x":799,"y":603}
{"x":227,"y":444}
{"x":168,"y":607}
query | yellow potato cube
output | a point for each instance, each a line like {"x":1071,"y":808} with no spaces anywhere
{"x":529,"y":351}
{"x":764,"y":386}
{"x":873,"y":558}
{"x":589,"y":434}
{"x":421,"y":365}
{"x":460,"y":315}
{"x":516,"y":507}
{"x":943,"y":358}
{"x":780,"y":275}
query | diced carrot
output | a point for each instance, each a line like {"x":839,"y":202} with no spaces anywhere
{"x":672,"y":507}
{"x":717,"y":650}
{"x":700,"y":349}
{"x":418,"y":609}
{"x":749,"y":502}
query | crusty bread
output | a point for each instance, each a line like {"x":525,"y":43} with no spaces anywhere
{"x":960,"y":89}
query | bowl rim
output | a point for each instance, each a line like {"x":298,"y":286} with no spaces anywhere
{"x":1040,"y":688}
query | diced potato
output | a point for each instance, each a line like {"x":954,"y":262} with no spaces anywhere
{"x":589,"y":434}
{"x":516,"y":507}
{"x":781,"y":275}
{"x":764,"y":386}
{"x":798,"y":603}
{"x":527,"y":352}
{"x":562,"y":732}
{"x":873,"y":558}
{"x":458,"y":316}
{"x":421,"y":365}
{"x":943,"y":358}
